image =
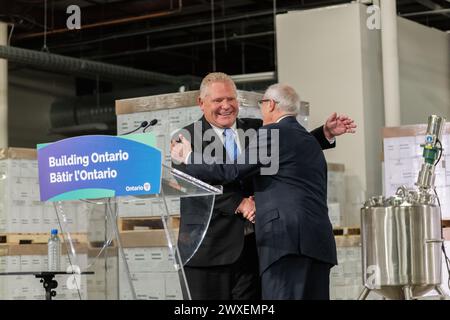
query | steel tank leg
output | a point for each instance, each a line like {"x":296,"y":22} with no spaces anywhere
{"x":407,"y":292}
{"x":363,"y":295}
{"x":441,"y":292}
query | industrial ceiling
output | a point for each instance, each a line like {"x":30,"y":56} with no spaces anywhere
{"x":174,"y":37}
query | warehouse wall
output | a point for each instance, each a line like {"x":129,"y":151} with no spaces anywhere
{"x":31,"y":94}
{"x":424,"y":72}
{"x":335,"y":64}
{"x":331,"y":64}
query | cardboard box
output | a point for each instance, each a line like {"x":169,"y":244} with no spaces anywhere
{"x":402,"y":155}
{"x":152,"y":286}
{"x":20,"y":208}
{"x":33,"y":257}
{"x":176,"y":100}
{"x":346,"y":277}
{"x":334,"y":212}
{"x":446,"y":232}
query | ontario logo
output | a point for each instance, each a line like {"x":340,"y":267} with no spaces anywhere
{"x":145,"y":187}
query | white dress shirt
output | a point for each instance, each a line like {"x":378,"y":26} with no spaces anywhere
{"x":219,"y":133}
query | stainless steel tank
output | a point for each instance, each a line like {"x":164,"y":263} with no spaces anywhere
{"x":402,"y":236}
{"x":401,"y":245}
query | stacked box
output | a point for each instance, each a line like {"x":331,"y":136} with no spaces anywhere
{"x":403,"y":158}
{"x":345,"y":190}
{"x":95,"y":216}
{"x":104,"y":284}
{"x":20,"y":208}
{"x":336,"y":194}
{"x":335,"y":214}
{"x":445,"y":271}
{"x":153,"y":272}
{"x":151,"y":264}
{"x":33,"y":258}
{"x":150,"y":207}
{"x":346,"y":278}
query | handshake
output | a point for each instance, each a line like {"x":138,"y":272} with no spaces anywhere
{"x":247,"y":209}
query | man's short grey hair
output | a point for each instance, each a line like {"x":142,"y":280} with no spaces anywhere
{"x":214,"y":77}
{"x":288,"y":100}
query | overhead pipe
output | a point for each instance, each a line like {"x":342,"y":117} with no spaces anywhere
{"x":425,"y":13}
{"x":108,"y":23}
{"x":181,"y":26}
{"x":59,"y":63}
{"x":391,"y":82}
{"x":3,"y":89}
{"x":184,"y":45}
{"x":254,"y":77}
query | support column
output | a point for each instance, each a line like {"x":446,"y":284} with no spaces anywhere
{"x":3,"y":89}
{"x":391,"y":83}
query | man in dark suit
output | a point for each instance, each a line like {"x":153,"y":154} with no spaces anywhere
{"x":294,"y":235}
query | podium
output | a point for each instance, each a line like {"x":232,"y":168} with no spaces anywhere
{"x":137,"y":245}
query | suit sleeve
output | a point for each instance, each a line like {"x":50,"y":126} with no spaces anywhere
{"x":249,"y":162}
{"x":320,"y":137}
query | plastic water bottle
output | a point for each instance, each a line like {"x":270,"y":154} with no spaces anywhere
{"x":54,"y":251}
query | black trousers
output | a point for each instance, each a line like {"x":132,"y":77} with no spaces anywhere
{"x":237,"y":281}
{"x":296,"y":277}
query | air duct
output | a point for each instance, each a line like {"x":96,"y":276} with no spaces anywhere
{"x":94,"y":114}
{"x":80,"y":67}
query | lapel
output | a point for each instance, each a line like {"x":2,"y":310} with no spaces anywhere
{"x":241,"y":125}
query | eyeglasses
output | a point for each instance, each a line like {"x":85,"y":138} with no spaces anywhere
{"x":260,"y":102}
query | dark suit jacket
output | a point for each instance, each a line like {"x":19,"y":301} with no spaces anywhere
{"x":224,"y":239}
{"x":291,"y":205}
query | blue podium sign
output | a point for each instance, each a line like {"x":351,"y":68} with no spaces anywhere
{"x":89,"y":167}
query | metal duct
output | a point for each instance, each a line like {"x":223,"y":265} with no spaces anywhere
{"x":94,"y":114}
{"x":59,"y":63}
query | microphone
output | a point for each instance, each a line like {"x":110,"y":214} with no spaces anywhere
{"x":151,"y":124}
{"x":142,"y":125}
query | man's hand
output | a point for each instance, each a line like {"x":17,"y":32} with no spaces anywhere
{"x":180,"y":150}
{"x":338,"y":125}
{"x":247,"y":209}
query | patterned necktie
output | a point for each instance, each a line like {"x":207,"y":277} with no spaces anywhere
{"x":230,"y":144}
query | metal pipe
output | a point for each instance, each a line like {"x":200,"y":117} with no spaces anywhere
{"x":424,"y":13}
{"x":107,"y":23}
{"x":3,"y":89}
{"x":54,"y":62}
{"x":275,"y":51}
{"x":213,"y":37}
{"x":182,"y":45}
{"x":391,"y":83}
{"x":431,"y":4}
{"x":254,"y":77}
{"x":170,"y":28}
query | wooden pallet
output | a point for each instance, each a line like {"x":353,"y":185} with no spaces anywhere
{"x":346,"y":231}
{"x":35,"y":238}
{"x":146,"y":223}
{"x":446,"y":223}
